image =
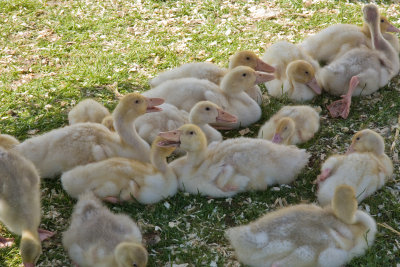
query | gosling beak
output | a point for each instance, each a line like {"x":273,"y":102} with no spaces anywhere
{"x":224,"y":116}
{"x":392,"y":28}
{"x":262,"y":66}
{"x":277,"y":138}
{"x":152,"y":103}
{"x":29,"y":264}
{"x":262,"y":77}
{"x":314,"y":86}
{"x":171,"y":139}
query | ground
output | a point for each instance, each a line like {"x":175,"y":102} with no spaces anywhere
{"x":55,"y":53}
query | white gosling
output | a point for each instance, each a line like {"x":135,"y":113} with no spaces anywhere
{"x":213,"y":73}
{"x":98,"y":237}
{"x":62,"y":149}
{"x":365,"y":167}
{"x":295,"y":72}
{"x":360,"y":71}
{"x":20,"y":204}
{"x":88,"y":110}
{"x":306,"y":235}
{"x":230,"y":96}
{"x":121,"y":179}
{"x":291,"y":125}
{"x":231,"y":166}
{"x":337,"y":39}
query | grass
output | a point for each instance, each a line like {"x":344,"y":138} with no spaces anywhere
{"x":55,"y":53}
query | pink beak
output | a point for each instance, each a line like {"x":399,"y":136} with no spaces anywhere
{"x":277,"y":139}
{"x":152,"y":103}
{"x":224,"y":116}
{"x":262,"y":66}
{"x":172,"y":138}
{"x":392,"y":28}
{"x":29,"y":264}
{"x":262,"y":77}
{"x":314,"y":86}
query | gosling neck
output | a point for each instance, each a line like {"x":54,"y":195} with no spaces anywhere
{"x":127,"y":132}
{"x":379,"y":43}
{"x":198,"y":156}
{"x":159,"y":160}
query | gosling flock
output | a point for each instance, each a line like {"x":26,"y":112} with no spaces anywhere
{"x":122,"y":156}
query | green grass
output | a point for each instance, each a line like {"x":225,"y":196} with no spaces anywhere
{"x":54,"y":53}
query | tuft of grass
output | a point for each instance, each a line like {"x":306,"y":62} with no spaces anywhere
{"x":55,"y":53}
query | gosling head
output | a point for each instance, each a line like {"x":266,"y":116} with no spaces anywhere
{"x":284,"y":131}
{"x":367,"y":141}
{"x":249,"y":59}
{"x":205,"y":112}
{"x":30,"y":248}
{"x":241,"y":78}
{"x":386,"y":26}
{"x":371,"y":14}
{"x":157,"y":147}
{"x":344,"y":203}
{"x":134,"y":104}
{"x":189,"y":137}
{"x":303,"y":72}
{"x":128,"y":254}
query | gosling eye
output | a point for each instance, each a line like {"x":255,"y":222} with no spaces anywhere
{"x":285,"y":128}
{"x":244,"y":74}
{"x":137,"y":101}
{"x":134,"y":265}
{"x":382,"y":20}
{"x":307,"y":72}
{"x":358,"y":138}
{"x":247,"y":58}
{"x":191,"y":133}
{"x":207,"y":108}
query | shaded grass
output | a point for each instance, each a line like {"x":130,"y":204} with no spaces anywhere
{"x":55,"y":53}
